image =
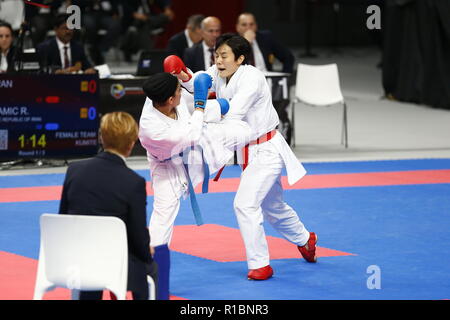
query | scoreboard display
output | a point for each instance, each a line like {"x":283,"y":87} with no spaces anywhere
{"x":48,"y":116}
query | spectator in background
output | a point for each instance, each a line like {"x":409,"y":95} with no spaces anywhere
{"x":62,"y":54}
{"x":142,"y":21}
{"x":6,"y":48}
{"x":97,"y":15}
{"x":188,"y":37}
{"x":41,"y":19}
{"x":265,"y":47}
{"x":105,"y":186}
{"x":201,"y":55}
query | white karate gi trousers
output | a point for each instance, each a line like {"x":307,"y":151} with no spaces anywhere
{"x":170,"y":185}
{"x":166,"y":204}
{"x":259,"y":197}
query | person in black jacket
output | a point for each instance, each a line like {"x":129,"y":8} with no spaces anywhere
{"x":264,"y":45}
{"x":202,"y":55}
{"x":6,"y":48}
{"x":105,"y":186}
{"x":61,"y":54}
{"x":188,"y":37}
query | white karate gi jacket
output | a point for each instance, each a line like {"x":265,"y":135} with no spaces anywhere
{"x":248,"y":92}
{"x":164,"y":138}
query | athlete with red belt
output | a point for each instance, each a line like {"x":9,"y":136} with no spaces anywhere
{"x":260,"y":193}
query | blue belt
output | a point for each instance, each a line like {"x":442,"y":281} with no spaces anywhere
{"x":194,"y":204}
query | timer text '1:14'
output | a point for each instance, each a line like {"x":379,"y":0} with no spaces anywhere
{"x":33,"y":140}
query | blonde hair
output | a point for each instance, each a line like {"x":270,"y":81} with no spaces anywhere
{"x":118,"y":130}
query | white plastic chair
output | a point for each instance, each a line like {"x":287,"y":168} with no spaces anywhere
{"x":83,"y":253}
{"x":319,"y":86}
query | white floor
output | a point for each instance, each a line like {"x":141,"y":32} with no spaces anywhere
{"x":379,"y":129}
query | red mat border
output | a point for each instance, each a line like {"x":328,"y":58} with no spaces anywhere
{"x":320,"y":181}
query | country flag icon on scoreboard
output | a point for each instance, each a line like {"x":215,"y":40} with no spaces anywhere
{"x":88,"y":86}
{"x":88,"y":113}
{"x":83,"y":113}
{"x":84,"y":86}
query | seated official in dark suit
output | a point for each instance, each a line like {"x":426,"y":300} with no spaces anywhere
{"x":264,"y":45}
{"x":105,"y":186}
{"x":6,"y":48}
{"x":61,"y":54}
{"x":188,"y":37}
{"x":202,"y":55}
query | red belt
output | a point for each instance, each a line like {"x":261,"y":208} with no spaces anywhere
{"x":265,"y":137}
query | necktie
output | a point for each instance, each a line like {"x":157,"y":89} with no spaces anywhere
{"x":66,"y":57}
{"x":211,"y":59}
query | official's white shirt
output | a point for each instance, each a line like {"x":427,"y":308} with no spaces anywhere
{"x":188,"y":39}
{"x":258,"y":56}
{"x":250,"y":100}
{"x":61,"y":46}
{"x":4,"y":61}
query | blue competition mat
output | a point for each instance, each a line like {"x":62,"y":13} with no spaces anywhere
{"x":404,"y":231}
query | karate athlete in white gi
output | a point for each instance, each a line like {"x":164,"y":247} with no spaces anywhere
{"x":260,"y":193}
{"x":167,"y":128}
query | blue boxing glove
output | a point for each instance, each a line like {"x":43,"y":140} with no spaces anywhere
{"x":224,"y":105}
{"x":202,"y":83}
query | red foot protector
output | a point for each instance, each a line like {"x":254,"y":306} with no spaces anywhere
{"x":224,"y":244}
